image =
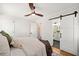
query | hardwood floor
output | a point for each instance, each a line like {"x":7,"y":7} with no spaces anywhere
{"x":61,"y":52}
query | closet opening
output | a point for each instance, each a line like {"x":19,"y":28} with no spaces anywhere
{"x":56,"y":35}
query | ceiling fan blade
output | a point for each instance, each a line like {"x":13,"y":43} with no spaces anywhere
{"x":29,"y":14}
{"x":38,"y":14}
{"x":31,"y":5}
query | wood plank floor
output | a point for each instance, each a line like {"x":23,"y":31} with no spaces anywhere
{"x":60,"y":52}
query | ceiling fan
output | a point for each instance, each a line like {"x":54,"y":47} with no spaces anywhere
{"x":32,"y":7}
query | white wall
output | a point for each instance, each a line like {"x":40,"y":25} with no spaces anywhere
{"x":14,"y":25}
{"x":21,"y":27}
{"x":6,"y":24}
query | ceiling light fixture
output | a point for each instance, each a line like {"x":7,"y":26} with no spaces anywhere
{"x":33,"y":14}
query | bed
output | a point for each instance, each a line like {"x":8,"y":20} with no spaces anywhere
{"x":16,"y":52}
{"x":28,"y":46}
{"x":23,"y":46}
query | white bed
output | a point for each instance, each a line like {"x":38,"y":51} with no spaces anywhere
{"x":22,"y":46}
{"x":17,"y":52}
{"x":29,"y":47}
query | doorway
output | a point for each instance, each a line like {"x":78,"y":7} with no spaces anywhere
{"x":56,"y":34}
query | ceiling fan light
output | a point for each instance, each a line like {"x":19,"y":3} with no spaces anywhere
{"x":33,"y":14}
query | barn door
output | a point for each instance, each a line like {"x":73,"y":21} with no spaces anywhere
{"x":67,"y":34}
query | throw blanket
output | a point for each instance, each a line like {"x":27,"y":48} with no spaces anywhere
{"x":48,"y":47}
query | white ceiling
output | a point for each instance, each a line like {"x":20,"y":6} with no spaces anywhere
{"x":48,"y":9}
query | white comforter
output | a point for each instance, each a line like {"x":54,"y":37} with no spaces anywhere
{"x":17,"y":52}
{"x":32,"y":46}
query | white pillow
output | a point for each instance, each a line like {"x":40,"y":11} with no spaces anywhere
{"x":16,"y":43}
{"x":4,"y":46}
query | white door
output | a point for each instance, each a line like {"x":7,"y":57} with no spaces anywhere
{"x":67,"y":30}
